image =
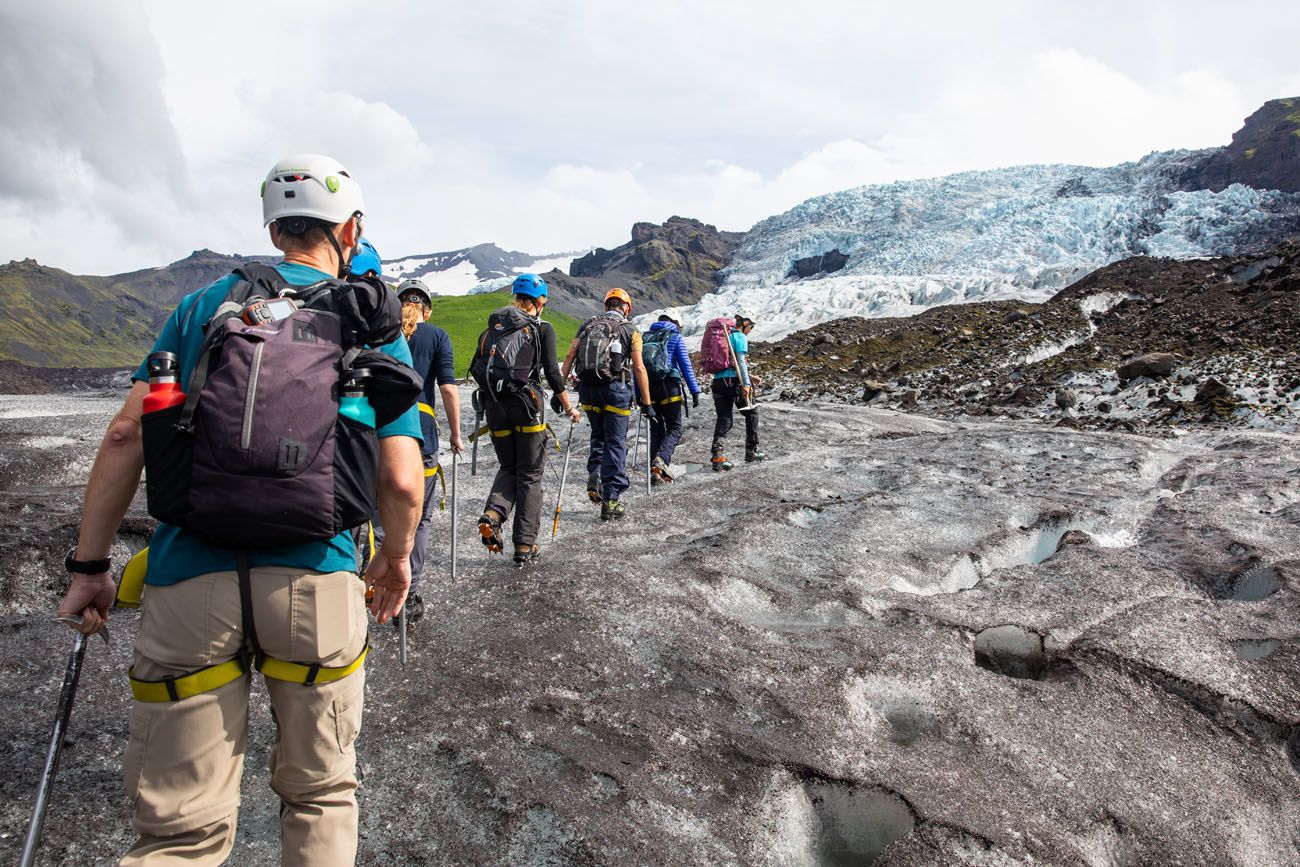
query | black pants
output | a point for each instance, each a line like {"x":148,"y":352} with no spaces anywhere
{"x":666,"y":427}
{"x":519,"y":439}
{"x":727,"y":395}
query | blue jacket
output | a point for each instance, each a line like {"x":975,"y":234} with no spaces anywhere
{"x":681,"y":358}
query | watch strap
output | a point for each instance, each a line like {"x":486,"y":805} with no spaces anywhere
{"x":86,"y":567}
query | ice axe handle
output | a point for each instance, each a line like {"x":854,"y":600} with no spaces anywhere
{"x":64,"y":714}
{"x":455,"y":461}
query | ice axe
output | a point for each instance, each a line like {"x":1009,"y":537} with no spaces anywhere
{"x":648,"y":460}
{"x":64,"y":713}
{"x":740,"y":380}
{"x":401,"y":636}
{"x":636,"y":445}
{"x":455,"y":460}
{"x":564,"y":475}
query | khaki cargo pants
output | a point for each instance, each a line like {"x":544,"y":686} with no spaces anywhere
{"x":184,"y":759}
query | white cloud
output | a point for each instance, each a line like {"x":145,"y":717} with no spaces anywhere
{"x":138,"y":131}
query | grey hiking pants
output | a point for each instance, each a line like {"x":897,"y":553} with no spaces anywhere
{"x":519,"y":439}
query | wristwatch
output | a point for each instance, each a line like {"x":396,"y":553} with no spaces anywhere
{"x":86,"y":567}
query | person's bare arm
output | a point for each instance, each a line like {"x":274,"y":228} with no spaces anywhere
{"x":401,"y":495}
{"x":568,"y":360}
{"x":642,"y":378}
{"x":451,"y":405}
{"x":114,"y":480}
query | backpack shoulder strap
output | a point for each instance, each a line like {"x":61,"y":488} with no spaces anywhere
{"x":256,"y":276}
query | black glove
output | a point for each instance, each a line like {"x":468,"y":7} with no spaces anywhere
{"x":647,"y":410}
{"x":695,"y":400}
{"x":556,"y":406}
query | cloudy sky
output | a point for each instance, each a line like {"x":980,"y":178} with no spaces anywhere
{"x":135,"y":132}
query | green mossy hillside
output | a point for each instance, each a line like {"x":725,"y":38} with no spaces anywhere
{"x":464,"y":318}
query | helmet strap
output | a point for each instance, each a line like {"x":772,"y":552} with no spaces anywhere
{"x":343,"y":263}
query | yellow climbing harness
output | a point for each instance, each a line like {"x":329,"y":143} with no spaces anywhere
{"x":130,"y":591}
{"x":588,"y":407}
{"x":216,"y":676}
{"x":436,"y":470}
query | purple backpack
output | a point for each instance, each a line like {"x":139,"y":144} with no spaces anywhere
{"x":259,"y":455}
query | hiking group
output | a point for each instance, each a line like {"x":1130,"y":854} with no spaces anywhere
{"x":283,"y":410}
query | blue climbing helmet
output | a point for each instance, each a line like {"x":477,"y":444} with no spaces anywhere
{"x":366,"y":258}
{"x":529,"y":285}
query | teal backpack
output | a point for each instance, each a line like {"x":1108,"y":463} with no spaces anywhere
{"x":656,"y":355}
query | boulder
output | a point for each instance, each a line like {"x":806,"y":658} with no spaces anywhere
{"x":872,"y":390}
{"x":1212,"y":390}
{"x":1156,"y":365}
{"x":1066,"y":399}
{"x":1073,"y":537}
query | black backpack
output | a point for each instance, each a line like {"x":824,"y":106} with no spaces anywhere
{"x":259,"y":455}
{"x":602,"y":344}
{"x":508,"y":353}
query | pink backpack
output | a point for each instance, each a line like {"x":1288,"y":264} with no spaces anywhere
{"x":715,"y":349}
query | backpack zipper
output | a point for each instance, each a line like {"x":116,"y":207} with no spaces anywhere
{"x":250,"y":397}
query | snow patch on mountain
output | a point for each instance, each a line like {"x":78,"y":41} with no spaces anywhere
{"x":472,"y":270}
{"x":1014,"y":233}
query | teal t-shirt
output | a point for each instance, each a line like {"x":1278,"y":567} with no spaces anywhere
{"x":175,"y":554}
{"x":739,"y":345}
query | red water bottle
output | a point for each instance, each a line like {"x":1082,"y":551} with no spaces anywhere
{"x":164,"y":390}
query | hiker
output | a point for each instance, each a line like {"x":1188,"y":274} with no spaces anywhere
{"x":668,"y":366}
{"x":431,"y":356}
{"x":295,"y":611}
{"x":365,"y":261}
{"x":732,"y":389}
{"x":606,"y":355}
{"x":513,"y":351}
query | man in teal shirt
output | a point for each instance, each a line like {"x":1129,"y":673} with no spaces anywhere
{"x":305,"y":604}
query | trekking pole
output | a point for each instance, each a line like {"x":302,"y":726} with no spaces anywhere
{"x":69,"y":692}
{"x":559,"y":498}
{"x":401,"y":636}
{"x":648,"y":460}
{"x":636,"y":445}
{"x":454,"y":461}
{"x":477,"y":401}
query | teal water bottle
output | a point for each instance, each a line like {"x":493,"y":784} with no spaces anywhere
{"x":353,"y":402}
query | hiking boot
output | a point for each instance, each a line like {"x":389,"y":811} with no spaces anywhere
{"x":489,"y":527}
{"x":593,"y":488}
{"x":414,"y":608}
{"x":755,"y":455}
{"x":525,"y":554}
{"x":659,"y":472}
{"x":721,"y":463}
{"x":612,"y":509}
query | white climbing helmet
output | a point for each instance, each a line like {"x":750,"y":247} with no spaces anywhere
{"x":745,"y":314}
{"x":310,"y":185}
